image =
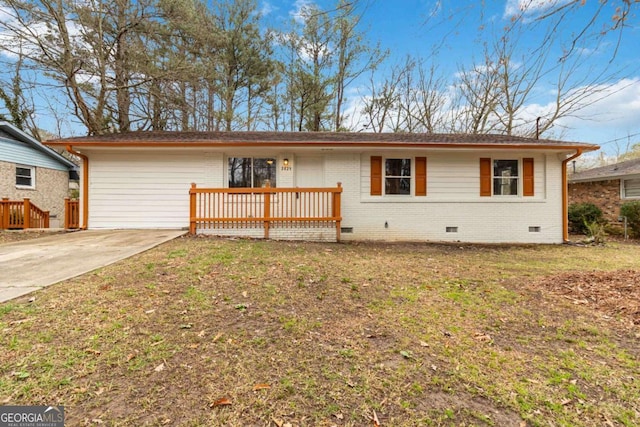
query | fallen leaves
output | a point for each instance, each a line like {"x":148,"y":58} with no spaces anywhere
{"x":479,"y":336}
{"x":376,"y":421}
{"x":280,"y":423}
{"x":613,"y":293}
{"x":220,"y":402}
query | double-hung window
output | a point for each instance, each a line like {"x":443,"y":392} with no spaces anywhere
{"x":398,"y":176}
{"x":251,"y":172}
{"x":506,"y":177}
{"x":25,"y":176}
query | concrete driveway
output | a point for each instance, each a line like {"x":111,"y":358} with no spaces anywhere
{"x":30,"y":265}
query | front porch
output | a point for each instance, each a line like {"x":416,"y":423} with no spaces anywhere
{"x":269,"y":213}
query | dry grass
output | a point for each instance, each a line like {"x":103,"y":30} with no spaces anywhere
{"x":249,"y":333}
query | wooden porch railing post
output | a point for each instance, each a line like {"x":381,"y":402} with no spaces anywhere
{"x":192,"y":209}
{"x":67,"y":214}
{"x":337,"y":196}
{"x":26,"y":215}
{"x":267,"y":211}
{"x":4,"y":221}
{"x":46,"y":219}
{"x":71,"y":213}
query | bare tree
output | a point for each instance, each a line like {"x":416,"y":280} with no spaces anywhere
{"x":381,"y":108}
{"x":609,"y":16}
{"x":478,"y":98}
{"x":354,"y":54}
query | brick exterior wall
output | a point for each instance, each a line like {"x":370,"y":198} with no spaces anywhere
{"x":52,"y":186}
{"x":603,"y":194}
{"x":293,"y":234}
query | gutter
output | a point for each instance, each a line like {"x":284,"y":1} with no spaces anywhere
{"x":565,"y":195}
{"x":85,"y":186}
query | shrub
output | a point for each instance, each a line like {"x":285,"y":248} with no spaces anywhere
{"x":596,"y":232}
{"x":581,"y":214}
{"x":631,"y":210}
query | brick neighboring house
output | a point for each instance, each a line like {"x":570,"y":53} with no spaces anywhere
{"x":607,"y":187}
{"x":30,"y":170}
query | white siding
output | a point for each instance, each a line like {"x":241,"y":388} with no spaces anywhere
{"x":146,"y":189}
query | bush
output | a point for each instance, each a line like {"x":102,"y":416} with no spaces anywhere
{"x":631,"y":210}
{"x":596,"y":232}
{"x":582,"y":214}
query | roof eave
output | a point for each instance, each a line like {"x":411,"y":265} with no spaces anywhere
{"x":21,"y":136}
{"x":341,"y":144}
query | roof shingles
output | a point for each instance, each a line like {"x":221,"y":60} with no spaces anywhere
{"x":629,"y":167}
{"x":313,"y":138}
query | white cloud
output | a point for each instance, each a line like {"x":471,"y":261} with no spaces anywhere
{"x":610,"y":116}
{"x":300,"y":10}
{"x":529,"y":8}
{"x":267,"y":8}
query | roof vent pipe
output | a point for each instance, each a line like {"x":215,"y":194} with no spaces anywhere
{"x":538,"y":127}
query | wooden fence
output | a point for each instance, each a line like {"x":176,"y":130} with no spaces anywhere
{"x":23,"y":214}
{"x":71,"y":214}
{"x":264,"y":208}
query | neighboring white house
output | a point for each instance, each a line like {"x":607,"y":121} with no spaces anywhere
{"x":30,"y":170}
{"x":418,"y":187}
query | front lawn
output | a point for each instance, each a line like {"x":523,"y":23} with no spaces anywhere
{"x":216,"y":332}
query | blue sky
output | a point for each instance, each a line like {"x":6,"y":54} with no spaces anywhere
{"x":459,"y":27}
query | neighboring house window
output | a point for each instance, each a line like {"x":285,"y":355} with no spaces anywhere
{"x":397,"y":174}
{"x":25,"y":176}
{"x":251,"y":172}
{"x":501,"y":177}
{"x":631,"y":188}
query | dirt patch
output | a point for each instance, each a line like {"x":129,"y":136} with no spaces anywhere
{"x":10,"y":236}
{"x":612,"y":293}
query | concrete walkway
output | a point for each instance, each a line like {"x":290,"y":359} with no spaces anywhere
{"x":29,"y":265}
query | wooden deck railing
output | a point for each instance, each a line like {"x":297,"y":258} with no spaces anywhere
{"x":266,"y":208}
{"x":71,"y":213}
{"x":22,"y":215}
